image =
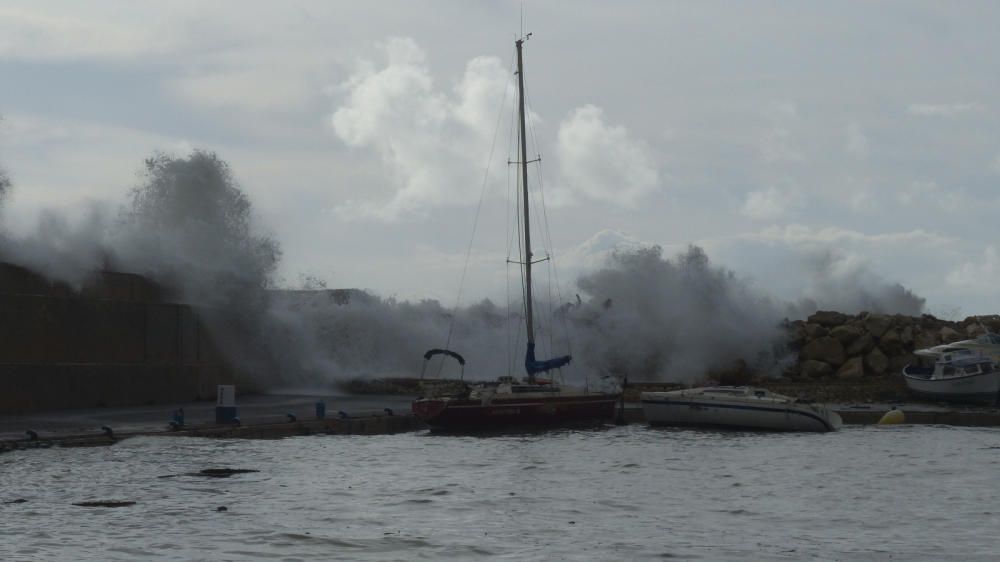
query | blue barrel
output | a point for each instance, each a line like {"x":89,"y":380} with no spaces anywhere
{"x":320,"y":410}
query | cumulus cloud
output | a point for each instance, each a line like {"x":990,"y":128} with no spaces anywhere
{"x":940,"y":110}
{"x":602,"y":162}
{"x":433,"y":143}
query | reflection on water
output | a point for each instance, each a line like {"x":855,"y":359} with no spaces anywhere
{"x":868,"y":493}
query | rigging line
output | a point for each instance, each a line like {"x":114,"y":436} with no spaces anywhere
{"x":555,"y":277}
{"x":475,"y":221}
{"x":510,"y":151}
{"x":547,"y":230}
{"x":509,"y":238}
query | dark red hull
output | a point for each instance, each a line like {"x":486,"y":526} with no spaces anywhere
{"x":449,"y":414}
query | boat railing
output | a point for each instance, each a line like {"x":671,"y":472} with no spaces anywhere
{"x":447,"y":353}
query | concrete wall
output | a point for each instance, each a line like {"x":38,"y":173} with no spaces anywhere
{"x":113,"y":342}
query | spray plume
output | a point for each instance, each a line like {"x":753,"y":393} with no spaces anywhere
{"x":189,"y":226}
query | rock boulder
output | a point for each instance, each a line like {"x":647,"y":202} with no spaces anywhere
{"x":814,"y":331}
{"x":853,"y":368}
{"x":890,"y":342}
{"x":948,"y":335}
{"x":827,"y":349}
{"x":923,"y":340}
{"x":877,"y":324}
{"x":847,"y":333}
{"x":876,"y":362}
{"x":828,"y":318}
{"x":862,"y":345}
{"x":815,"y":369}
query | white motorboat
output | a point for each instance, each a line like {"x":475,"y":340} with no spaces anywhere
{"x":987,"y":344}
{"x":737,"y":407}
{"x":958,"y":375}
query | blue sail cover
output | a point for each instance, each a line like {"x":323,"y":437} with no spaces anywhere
{"x":534,"y":366}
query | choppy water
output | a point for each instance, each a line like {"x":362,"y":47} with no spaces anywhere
{"x":624,"y":493}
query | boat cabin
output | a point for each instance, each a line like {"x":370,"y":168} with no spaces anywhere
{"x":961,"y":363}
{"x":964,"y":366}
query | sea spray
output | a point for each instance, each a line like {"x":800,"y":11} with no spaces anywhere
{"x":63,"y":248}
{"x":189,"y":225}
{"x":644,"y":315}
{"x":834,"y":281}
{"x":657,"y":318}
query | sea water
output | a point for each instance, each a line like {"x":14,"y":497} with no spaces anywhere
{"x":618,"y":493}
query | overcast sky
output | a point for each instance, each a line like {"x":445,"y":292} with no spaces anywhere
{"x":774,"y":134}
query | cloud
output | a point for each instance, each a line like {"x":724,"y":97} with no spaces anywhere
{"x":30,"y":35}
{"x":768,"y":204}
{"x":980,"y":275}
{"x":940,"y":110}
{"x":262,"y":88}
{"x":917,"y":192}
{"x":433,"y":143}
{"x":798,"y":234}
{"x":60,"y":162}
{"x":857,"y":142}
{"x":594,"y":253}
{"x":601,"y":162}
{"x":834,"y":268}
{"x":776,"y":146}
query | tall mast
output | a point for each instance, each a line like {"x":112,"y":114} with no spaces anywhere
{"x":524,"y":187}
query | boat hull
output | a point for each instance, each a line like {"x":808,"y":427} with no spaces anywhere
{"x":720,"y":414}
{"x":983,"y":388}
{"x":450,"y":414}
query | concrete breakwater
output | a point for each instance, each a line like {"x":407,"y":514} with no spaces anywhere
{"x":389,"y":423}
{"x":114,"y":341}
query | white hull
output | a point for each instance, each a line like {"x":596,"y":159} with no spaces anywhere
{"x":983,"y":387}
{"x":700,"y":407}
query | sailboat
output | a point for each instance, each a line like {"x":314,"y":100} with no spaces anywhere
{"x":509,"y":401}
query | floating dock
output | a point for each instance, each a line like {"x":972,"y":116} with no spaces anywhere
{"x":275,"y":417}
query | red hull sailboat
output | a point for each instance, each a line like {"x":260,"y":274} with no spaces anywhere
{"x":509,"y":402}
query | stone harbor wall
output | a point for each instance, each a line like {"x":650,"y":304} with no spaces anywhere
{"x":114,"y":341}
{"x":836,"y":346}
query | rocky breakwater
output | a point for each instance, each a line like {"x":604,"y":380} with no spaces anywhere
{"x":833,"y":345}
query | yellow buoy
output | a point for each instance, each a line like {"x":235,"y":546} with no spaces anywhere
{"x":892,"y":417}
